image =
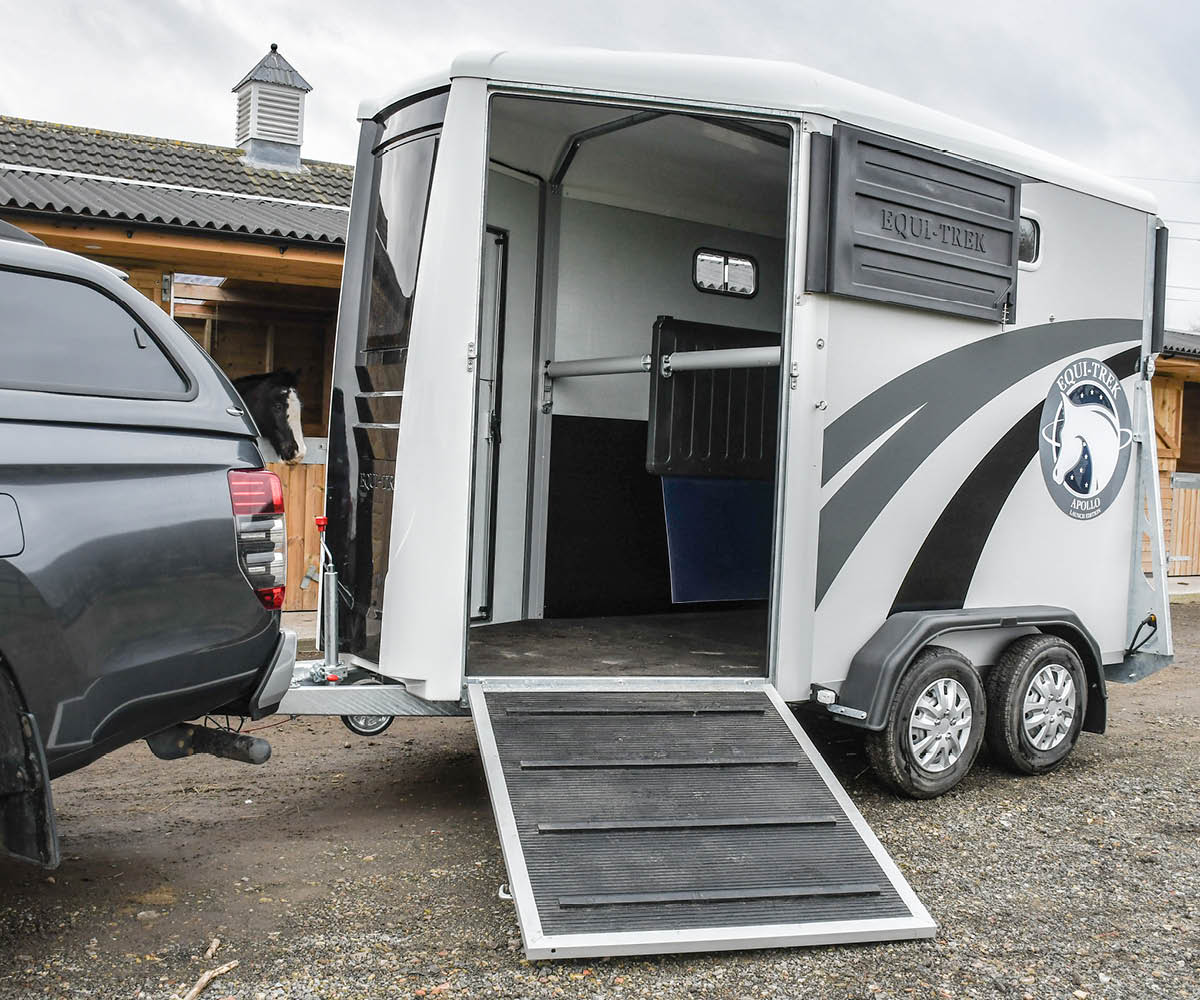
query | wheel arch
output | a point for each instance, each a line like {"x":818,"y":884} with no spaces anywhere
{"x":876,"y":669}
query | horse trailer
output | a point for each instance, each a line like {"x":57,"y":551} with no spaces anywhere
{"x":673,"y":393}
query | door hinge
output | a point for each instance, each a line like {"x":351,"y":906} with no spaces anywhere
{"x":472,"y":355}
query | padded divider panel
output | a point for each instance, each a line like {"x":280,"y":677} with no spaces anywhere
{"x":606,"y":541}
{"x":712,"y":423}
{"x":719,"y":538}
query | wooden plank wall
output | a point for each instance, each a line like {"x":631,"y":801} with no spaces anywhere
{"x":1184,"y":551}
{"x":304,"y":499}
{"x":1167,"y":391}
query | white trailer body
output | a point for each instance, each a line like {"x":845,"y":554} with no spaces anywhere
{"x":712,"y":381}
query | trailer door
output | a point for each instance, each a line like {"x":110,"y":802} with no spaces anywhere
{"x":398,"y":494}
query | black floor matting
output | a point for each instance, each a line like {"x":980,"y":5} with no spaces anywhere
{"x":641,"y":812}
{"x":722,"y":643}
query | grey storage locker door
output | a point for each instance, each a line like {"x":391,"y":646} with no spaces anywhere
{"x":658,"y":816}
{"x":895,"y":222}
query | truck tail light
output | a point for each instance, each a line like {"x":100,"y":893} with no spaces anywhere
{"x":257,"y":498}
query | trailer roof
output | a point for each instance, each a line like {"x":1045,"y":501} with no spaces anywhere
{"x":718,"y":81}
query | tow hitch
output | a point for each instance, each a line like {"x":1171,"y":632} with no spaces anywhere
{"x":184,"y":740}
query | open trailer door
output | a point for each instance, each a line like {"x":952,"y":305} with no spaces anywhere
{"x":640,"y":817}
{"x":398,"y":492}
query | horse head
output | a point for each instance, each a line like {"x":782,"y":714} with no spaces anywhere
{"x":1097,"y":428}
{"x":275,"y":406}
{"x":1071,"y":442}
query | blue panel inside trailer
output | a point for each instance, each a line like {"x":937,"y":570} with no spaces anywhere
{"x":718,"y":538}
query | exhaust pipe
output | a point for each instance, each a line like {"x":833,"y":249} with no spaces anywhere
{"x":185,"y":740}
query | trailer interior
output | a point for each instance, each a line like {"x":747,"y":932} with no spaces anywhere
{"x":623,"y":521}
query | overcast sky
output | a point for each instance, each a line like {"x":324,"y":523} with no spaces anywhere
{"x":1106,"y":83}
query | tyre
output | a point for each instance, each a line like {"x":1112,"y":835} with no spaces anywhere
{"x":367,"y":725}
{"x":1037,"y":698}
{"x":935,"y":726}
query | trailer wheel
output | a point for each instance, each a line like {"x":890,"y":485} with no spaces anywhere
{"x":367,"y":725}
{"x":934,"y":727}
{"x":1037,"y":698}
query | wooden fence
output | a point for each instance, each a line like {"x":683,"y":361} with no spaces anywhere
{"x":303,"y":499}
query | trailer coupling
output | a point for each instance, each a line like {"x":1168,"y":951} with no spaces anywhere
{"x":185,"y":740}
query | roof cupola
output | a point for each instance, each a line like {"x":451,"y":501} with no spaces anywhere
{"x":270,"y":113}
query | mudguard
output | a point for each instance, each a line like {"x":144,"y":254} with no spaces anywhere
{"x":26,"y":806}
{"x":876,"y":669}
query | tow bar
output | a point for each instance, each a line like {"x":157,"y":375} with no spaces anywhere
{"x":185,"y":740}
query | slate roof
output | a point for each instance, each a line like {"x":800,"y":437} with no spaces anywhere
{"x":73,"y":170}
{"x":273,"y":68}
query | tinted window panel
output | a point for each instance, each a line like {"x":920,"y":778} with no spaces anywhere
{"x":420,"y":116}
{"x":62,"y":336}
{"x":406,"y":173}
{"x":1030,"y":246}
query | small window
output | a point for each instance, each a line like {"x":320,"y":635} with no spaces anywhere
{"x":1030,"y":247}
{"x":64,"y":336}
{"x":724,"y":273}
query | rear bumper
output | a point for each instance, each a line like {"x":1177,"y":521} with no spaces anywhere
{"x":276,"y":677}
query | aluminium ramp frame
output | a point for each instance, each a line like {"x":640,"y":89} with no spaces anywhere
{"x":655,"y":816}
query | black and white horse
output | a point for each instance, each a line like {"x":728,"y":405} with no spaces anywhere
{"x":275,"y":406}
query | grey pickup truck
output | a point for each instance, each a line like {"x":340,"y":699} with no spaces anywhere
{"x":142,"y":544}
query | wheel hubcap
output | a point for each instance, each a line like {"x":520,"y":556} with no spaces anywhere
{"x":368,"y":723}
{"x":940,"y":725}
{"x":1050,"y":706}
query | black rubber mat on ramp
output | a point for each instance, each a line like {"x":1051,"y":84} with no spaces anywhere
{"x":678,"y":820}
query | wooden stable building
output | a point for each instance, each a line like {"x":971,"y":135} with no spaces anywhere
{"x":1177,"y":425}
{"x":242,"y":245}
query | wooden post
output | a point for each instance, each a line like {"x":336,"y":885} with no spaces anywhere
{"x":269,"y":360}
{"x":1178,"y":508}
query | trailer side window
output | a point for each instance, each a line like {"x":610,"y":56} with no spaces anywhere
{"x":1031,"y":241}
{"x":724,"y":273}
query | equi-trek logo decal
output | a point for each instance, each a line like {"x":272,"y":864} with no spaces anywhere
{"x":1085,"y":437}
{"x":913,"y":226}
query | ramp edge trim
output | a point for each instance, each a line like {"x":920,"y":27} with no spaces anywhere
{"x":506,"y":822}
{"x":754,"y":936}
{"x":920,"y":914}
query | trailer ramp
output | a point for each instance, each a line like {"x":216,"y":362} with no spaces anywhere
{"x":650,"y":816}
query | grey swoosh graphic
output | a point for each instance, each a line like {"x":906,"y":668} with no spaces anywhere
{"x":953,"y":386}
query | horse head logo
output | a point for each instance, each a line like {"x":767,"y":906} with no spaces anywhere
{"x":1085,"y":438}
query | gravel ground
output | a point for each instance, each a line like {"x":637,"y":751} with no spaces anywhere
{"x":348,"y":868}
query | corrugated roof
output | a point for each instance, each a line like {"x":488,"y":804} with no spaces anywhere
{"x":37,"y":192}
{"x":1178,"y":342}
{"x":25,"y":143}
{"x":69,"y":170}
{"x":273,"y":68}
